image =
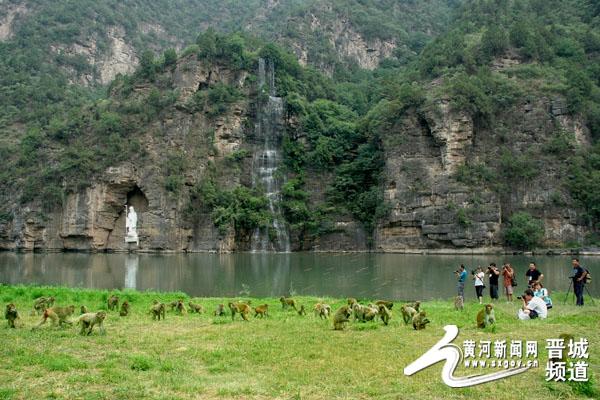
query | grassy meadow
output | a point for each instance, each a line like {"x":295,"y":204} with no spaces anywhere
{"x":285,"y":356}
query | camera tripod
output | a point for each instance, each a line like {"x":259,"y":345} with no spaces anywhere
{"x":570,"y":288}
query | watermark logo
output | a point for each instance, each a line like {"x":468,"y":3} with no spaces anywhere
{"x":567,"y":360}
{"x":444,"y":350}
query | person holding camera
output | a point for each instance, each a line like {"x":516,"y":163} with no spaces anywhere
{"x":461,"y":273}
{"x":533,"y":275}
{"x":579,"y":277}
{"x":478,"y":276}
{"x":508,"y":274}
{"x":533,"y":307}
{"x":494,"y":274}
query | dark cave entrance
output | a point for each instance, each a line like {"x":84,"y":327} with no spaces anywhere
{"x":137,"y":199}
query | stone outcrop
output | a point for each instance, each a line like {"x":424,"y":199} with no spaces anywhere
{"x":11,"y":12}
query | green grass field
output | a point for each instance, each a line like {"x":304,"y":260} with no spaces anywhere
{"x":285,"y":356}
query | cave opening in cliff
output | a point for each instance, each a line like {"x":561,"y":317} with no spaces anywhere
{"x":137,"y":199}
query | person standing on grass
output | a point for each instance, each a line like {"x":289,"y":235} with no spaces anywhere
{"x":579,"y":276}
{"x":462,"y":278}
{"x":494,"y":275}
{"x":508,"y":274}
{"x":533,"y":275}
{"x":478,"y":277}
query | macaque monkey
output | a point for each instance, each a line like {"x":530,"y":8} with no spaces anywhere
{"x":340,"y":318}
{"x":11,"y":314}
{"x":384,"y":314}
{"x":288,"y":302}
{"x":41,"y":304}
{"x":420,"y":320}
{"x":351,"y":301}
{"x":386,"y":303}
{"x":408,"y":312}
{"x":459,"y":303}
{"x":370,"y":312}
{"x":302,"y":310}
{"x":357,"y":311}
{"x":83,"y":310}
{"x":57,"y":315}
{"x":322,"y":310}
{"x":242,"y":308}
{"x":88,"y":320}
{"x":180,"y":308}
{"x":173,"y":305}
{"x":113,"y":303}
{"x":219,"y":311}
{"x":486,"y":317}
{"x":157,"y":310}
{"x":262,"y":310}
{"x":124,"y":309}
{"x":197,"y":308}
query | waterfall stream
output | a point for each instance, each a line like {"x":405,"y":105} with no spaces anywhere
{"x":267,"y":158}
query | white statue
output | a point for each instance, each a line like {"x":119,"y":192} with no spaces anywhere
{"x":131,"y":226}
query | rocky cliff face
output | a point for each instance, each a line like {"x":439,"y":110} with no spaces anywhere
{"x":431,"y":209}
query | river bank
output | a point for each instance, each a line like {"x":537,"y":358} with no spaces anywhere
{"x":282,"y":356}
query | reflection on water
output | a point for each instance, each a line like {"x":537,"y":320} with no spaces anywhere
{"x":362,"y":275}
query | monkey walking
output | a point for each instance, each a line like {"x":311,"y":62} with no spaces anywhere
{"x":302,"y":310}
{"x":384,"y":314}
{"x":57,"y":315}
{"x":322,"y":310}
{"x":288,"y":302}
{"x":239,"y":308}
{"x":486,"y":317}
{"x":262,"y":310}
{"x":88,"y":320}
{"x":195,"y":308}
{"x":386,"y":303}
{"x":408,"y":313}
{"x":219,"y":311}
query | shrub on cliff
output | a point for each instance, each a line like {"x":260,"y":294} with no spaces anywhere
{"x":524,"y":231}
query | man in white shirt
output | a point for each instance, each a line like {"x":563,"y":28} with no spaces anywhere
{"x":533,"y":307}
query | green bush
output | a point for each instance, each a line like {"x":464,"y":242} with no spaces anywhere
{"x":524,"y":231}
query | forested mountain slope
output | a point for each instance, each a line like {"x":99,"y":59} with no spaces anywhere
{"x":394,"y":125}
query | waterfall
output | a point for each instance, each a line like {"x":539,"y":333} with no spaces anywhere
{"x":267,"y":158}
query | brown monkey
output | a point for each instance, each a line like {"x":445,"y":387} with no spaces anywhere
{"x":157,"y":310}
{"x":459,"y":303}
{"x":486,"y":317}
{"x":322,"y":310}
{"x":197,"y":308}
{"x":420,"y":320}
{"x":384,"y":314}
{"x":124,"y":309}
{"x":408,"y":312}
{"x":359,"y":312}
{"x":370,"y":312}
{"x":388,"y":304}
{"x":113,"y":303}
{"x":88,"y":320}
{"x":288,"y":302}
{"x":180,"y":308}
{"x":219,"y":311}
{"x":351,"y":301}
{"x":41,"y":304}
{"x":262,"y":310}
{"x":242,"y":308}
{"x":11,"y":314}
{"x":173,"y":305}
{"x":57,"y":314}
{"x":302,"y":310}
{"x":340,"y":318}
{"x":83,"y":310}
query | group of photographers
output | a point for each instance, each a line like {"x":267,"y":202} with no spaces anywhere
{"x":536,"y":300}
